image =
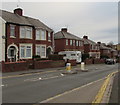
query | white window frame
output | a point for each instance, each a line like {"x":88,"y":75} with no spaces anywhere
{"x":71,"y":42}
{"x":66,"y":42}
{"x":49,"y":36}
{"x":77,"y":43}
{"x":40,"y":45}
{"x":25,"y":45}
{"x":26,"y":29}
{"x":40,"y":34}
{"x":12,"y":28}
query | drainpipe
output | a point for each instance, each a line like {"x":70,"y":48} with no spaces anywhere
{"x":53,"y":42}
{"x":5,"y":42}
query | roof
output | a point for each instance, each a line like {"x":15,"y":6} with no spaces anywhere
{"x":67,"y":35}
{"x":102,"y":46}
{"x":87,"y":41}
{"x":23,"y":20}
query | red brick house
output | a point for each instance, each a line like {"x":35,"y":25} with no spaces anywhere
{"x":25,"y":36}
{"x":91,"y":47}
{"x":107,"y":51}
{"x":104,"y":50}
{"x":65,"y":41}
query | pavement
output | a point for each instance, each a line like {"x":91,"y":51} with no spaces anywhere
{"x":76,"y":88}
{"x":115,"y":92}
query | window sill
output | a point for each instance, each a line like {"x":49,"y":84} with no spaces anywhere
{"x":25,"y":38}
{"x":12,"y":37}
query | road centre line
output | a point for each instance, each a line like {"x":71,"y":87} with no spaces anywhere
{"x":69,"y":91}
{"x":13,"y":76}
{"x":40,"y":79}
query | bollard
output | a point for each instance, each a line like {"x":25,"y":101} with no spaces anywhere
{"x":68,"y":67}
{"x":82,"y":66}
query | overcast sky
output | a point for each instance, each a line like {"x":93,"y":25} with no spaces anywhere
{"x":97,"y":20}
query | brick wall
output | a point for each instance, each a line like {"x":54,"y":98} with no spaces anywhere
{"x":88,"y":61}
{"x":98,"y":61}
{"x":14,"y":66}
{"x":48,"y":64}
{"x":94,"y":61}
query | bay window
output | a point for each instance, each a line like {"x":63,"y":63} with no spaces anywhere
{"x":25,"y":51}
{"x":25,"y":32}
{"x":41,"y":50}
{"x":40,"y":34}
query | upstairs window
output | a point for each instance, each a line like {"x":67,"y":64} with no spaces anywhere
{"x":66,"y":41}
{"x":26,"y":32}
{"x":77,"y":43}
{"x":49,"y":36}
{"x":70,"y":42}
{"x":40,"y":35}
{"x":73,"y":42}
{"x":12,"y":30}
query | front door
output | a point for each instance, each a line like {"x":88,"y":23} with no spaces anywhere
{"x":12,"y":54}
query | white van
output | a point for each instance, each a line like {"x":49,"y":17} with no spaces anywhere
{"x":72,"y":55}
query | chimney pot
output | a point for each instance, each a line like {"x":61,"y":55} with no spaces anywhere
{"x":86,"y":37}
{"x":18,"y":11}
{"x":99,"y":42}
{"x":64,"y":29}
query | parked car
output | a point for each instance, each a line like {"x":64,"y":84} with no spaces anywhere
{"x":110,"y":61}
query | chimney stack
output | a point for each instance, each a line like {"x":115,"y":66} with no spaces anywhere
{"x":64,"y":29}
{"x":18,"y":11}
{"x":85,"y":37}
{"x":99,"y":43}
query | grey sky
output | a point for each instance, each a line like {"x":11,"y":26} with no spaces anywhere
{"x":98,"y":20}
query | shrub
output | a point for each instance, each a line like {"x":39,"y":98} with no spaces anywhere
{"x":85,"y":56}
{"x":36,"y":57}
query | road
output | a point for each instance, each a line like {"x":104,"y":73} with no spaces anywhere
{"x":37,"y":87}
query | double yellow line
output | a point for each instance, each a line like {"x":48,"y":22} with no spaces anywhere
{"x":102,"y":90}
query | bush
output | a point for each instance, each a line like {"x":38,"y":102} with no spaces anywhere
{"x":85,"y":56}
{"x":36,"y":57}
{"x":55,"y":57}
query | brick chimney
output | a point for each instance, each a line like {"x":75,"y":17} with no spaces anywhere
{"x":18,"y":11}
{"x":86,"y":37}
{"x":99,"y":43}
{"x":64,"y":29}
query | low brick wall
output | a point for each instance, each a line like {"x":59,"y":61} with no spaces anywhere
{"x":98,"y":61}
{"x":94,"y":61}
{"x":14,"y":66}
{"x":48,"y":64}
{"x":73,"y":62}
{"x":88,"y":61}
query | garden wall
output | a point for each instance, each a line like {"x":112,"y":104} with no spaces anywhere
{"x":14,"y":66}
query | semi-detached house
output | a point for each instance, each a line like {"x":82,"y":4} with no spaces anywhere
{"x":25,"y":36}
{"x":90,"y":47}
{"x":66,"y":41}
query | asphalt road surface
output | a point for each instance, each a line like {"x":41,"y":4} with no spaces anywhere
{"x":38,"y":87}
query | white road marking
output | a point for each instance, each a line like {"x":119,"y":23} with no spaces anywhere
{"x":62,"y":74}
{"x":2,"y":85}
{"x":69,"y":91}
{"x":40,"y":79}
